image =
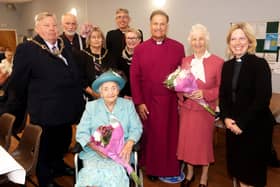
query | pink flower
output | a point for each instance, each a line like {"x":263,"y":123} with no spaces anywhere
{"x":109,"y":139}
{"x":182,"y":80}
{"x":86,"y":29}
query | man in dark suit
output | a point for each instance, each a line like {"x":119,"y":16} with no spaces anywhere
{"x":47,"y":78}
{"x":115,"y":39}
{"x":70,"y":36}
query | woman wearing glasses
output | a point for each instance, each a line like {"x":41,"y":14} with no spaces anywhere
{"x":132,"y":39}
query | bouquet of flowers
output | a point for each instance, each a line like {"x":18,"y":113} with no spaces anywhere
{"x":109,"y":140}
{"x":86,"y":29}
{"x":182,"y":80}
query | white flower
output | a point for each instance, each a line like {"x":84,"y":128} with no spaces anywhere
{"x":175,"y":73}
{"x":182,"y":74}
{"x":116,"y":74}
{"x":97,"y":136}
{"x":177,"y":70}
{"x":115,"y":124}
{"x":114,"y":121}
{"x":170,"y":76}
{"x":175,"y":83}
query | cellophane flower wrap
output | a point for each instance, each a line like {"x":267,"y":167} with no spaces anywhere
{"x":182,"y":80}
{"x":109,"y":139}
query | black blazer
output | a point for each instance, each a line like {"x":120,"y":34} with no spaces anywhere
{"x":52,"y":89}
{"x":115,"y":41}
{"x":253,"y":93}
{"x":87,"y":65}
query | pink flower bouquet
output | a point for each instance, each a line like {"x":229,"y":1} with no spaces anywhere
{"x":182,"y":80}
{"x":86,"y":29}
{"x":109,"y":140}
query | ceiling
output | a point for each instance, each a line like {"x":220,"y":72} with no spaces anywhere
{"x":14,"y":1}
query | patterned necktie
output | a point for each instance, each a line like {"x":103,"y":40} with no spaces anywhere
{"x":54,"y":50}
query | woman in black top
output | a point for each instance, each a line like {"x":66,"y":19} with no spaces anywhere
{"x":95,"y":60}
{"x":132,"y":39}
{"x":245,"y":93}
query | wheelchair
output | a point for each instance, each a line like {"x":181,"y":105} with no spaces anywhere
{"x":78,"y":164}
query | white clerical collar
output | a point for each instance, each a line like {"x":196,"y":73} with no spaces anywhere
{"x":159,"y":42}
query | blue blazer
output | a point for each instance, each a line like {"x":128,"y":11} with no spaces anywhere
{"x":96,"y":114}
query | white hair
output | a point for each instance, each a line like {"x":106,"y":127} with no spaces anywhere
{"x":199,"y":28}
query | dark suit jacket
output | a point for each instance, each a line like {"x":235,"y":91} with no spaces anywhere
{"x":253,"y":92}
{"x":76,"y":43}
{"x":53,"y":89}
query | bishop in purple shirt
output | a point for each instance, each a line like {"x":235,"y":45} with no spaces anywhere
{"x":152,"y":62}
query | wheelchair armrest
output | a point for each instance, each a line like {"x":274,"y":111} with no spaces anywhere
{"x":136,"y":147}
{"x":77,"y":148}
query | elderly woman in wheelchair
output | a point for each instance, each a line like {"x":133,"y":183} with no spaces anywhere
{"x":98,"y":169}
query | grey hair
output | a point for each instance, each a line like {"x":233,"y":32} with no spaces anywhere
{"x":159,"y":12}
{"x":68,"y":14}
{"x":42,"y":15}
{"x":199,"y":28}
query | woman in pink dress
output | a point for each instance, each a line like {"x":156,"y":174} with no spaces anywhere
{"x":196,"y":124}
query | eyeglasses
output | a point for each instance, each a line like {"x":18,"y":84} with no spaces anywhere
{"x":132,"y":38}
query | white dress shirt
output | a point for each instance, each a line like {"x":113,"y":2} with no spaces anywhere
{"x":51,"y":46}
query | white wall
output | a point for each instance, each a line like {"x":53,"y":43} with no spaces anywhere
{"x":215,"y":14}
{"x":9,"y":18}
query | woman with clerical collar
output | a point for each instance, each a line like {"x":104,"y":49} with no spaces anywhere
{"x":132,"y":39}
{"x":245,"y":94}
{"x":195,"y":145}
{"x":95,"y":59}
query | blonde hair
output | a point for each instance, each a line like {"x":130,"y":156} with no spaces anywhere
{"x":199,"y":28}
{"x":249,"y":33}
{"x":98,"y":30}
{"x":124,"y":10}
{"x":136,"y":31}
{"x":42,"y":15}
